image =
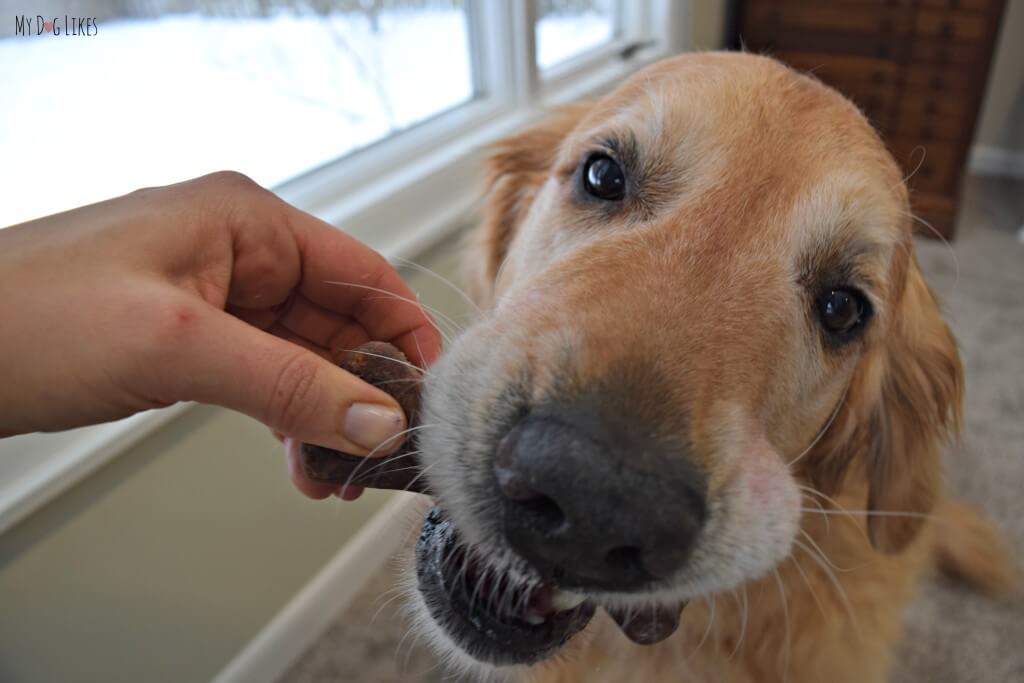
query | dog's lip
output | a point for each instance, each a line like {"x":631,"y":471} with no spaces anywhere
{"x":537,"y":629}
{"x":546,"y":617}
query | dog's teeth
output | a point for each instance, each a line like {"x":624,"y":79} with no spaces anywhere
{"x":564,"y":600}
{"x":534,"y":619}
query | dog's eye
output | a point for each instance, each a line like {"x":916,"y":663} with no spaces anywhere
{"x":842,"y":311}
{"x":603,"y":178}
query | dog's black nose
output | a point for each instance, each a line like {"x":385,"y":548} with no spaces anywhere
{"x":595,"y":506}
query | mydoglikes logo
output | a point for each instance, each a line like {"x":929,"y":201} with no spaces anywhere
{"x":38,"y":25}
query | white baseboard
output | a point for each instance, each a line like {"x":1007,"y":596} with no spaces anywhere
{"x":280,"y":643}
{"x":998,"y":161}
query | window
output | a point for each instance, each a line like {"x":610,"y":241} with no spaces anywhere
{"x":286,"y":91}
{"x":272,"y":89}
{"x":371,"y":114}
{"x":570,"y":28}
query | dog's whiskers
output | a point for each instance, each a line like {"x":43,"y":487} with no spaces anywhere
{"x":785,"y":615}
{"x":415,"y":302}
{"x":875,"y":513}
{"x":817,"y":547}
{"x":388,"y":358}
{"x":384,"y":462}
{"x":807,"y":582}
{"x":743,"y":620}
{"x":398,"y":593}
{"x":824,"y":429}
{"x":828,"y":522}
{"x":369,"y":456}
{"x":840,"y":509}
{"x":707,"y":631}
{"x":424,"y":308}
{"x":941,"y":238}
{"x":427,"y":271}
{"x":920,"y":163}
{"x":830,"y":575}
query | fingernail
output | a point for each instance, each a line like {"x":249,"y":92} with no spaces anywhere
{"x":374,"y":427}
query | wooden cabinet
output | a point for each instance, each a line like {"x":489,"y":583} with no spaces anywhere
{"x":916,"y":68}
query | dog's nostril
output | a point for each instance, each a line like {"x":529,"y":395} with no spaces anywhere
{"x":545,"y":511}
{"x":513,"y":486}
{"x":624,"y":558}
{"x":512,"y":482}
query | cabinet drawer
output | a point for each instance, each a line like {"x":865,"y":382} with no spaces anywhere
{"x":945,"y":53}
{"x":922,"y":128}
{"x":833,"y":68}
{"x":955,"y":26}
{"x":925,"y":106}
{"x":975,"y":5}
{"x":939,"y":79}
{"x":840,"y":17}
{"x":879,"y":46}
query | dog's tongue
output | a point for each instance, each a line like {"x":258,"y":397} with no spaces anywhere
{"x":649,"y":626}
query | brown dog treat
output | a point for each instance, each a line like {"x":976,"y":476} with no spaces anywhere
{"x":385,"y":367}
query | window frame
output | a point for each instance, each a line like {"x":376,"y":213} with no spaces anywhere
{"x":427,"y":161}
{"x":432,"y":166}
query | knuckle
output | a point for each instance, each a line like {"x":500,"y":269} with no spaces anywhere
{"x":232,"y":180}
{"x":296,"y":393}
{"x":230,"y":198}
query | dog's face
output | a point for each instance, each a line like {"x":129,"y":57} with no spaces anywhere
{"x":700,"y":298}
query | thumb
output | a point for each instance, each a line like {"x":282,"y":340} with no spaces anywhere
{"x":225,"y":361}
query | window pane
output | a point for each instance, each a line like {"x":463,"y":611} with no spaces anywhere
{"x":169,"y":89}
{"x":569,"y":28}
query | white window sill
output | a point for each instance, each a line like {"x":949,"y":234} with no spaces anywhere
{"x":401,"y":212}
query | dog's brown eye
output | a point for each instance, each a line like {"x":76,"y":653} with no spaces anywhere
{"x":603,"y":178}
{"x":841,"y":311}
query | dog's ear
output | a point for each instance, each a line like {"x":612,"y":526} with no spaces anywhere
{"x":515,"y":170}
{"x":902,"y":405}
{"x":919,"y":406}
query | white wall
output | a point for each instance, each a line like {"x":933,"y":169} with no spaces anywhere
{"x":1001,"y":126}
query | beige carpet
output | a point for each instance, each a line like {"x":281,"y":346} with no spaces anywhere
{"x":953,"y":635}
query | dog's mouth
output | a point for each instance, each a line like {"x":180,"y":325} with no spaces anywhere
{"x":504,"y":619}
{"x":496,"y":619}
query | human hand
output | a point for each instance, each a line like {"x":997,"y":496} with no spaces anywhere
{"x":211,"y":290}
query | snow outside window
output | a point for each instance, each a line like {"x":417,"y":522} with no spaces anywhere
{"x":567,"y":29}
{"x":165,"y":90}
{"x":170,"y":89}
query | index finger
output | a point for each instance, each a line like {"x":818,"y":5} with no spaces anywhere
{"x":344,"y":275}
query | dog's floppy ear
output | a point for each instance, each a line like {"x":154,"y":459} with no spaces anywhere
{"x":918,"y":409}
{"x":515,"y":170}
{"x":903,"y":404}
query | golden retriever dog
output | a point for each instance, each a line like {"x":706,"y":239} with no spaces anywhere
{"x":696,"y":433}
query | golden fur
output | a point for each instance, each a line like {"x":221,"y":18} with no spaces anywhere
{"x":753,"y":170}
